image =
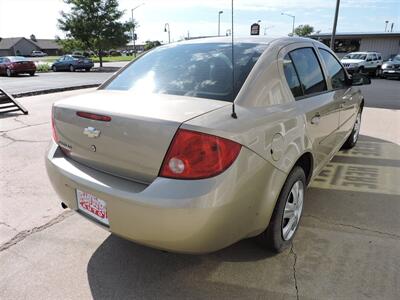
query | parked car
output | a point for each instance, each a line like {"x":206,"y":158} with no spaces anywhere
{"x":363,"y":62}
{"x":171,"y":154}
{"x":37,"y":53}
{"x":391,"y":68}
{"x":72,"y":63}
{"x":14,"y":65}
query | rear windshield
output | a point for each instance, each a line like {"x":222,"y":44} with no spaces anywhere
{"x":16,"y":58}
{"x":196,"y":70}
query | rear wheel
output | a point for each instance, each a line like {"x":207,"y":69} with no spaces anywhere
{"x":31,"y":73}
{"x":87,"y":69}
{"x":378,"y":72}
{"x":287,"y":213}
{"x":8,"y":72}
{"x":71,"y":68}
{"x":353,"y":138}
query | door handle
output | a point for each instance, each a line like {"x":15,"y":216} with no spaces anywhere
{"x":316,"y":119}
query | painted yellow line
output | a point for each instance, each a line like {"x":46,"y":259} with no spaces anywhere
{"x":359,"y":178}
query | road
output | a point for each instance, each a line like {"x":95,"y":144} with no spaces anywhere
{"x":382,"y":93}
{"x":347,"y":246}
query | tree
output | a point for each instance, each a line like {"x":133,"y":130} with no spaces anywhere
{"x":151,"y":44}
{"x":95,"y":25}
{"x":69,"y":45}
{"x":303,"y":30}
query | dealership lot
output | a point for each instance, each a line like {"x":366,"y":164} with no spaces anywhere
{"x":347,"y":245}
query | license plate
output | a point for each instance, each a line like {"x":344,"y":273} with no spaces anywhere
{"x":92,"y":206}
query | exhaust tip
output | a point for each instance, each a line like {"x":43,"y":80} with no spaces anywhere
{"x":63,"y":205}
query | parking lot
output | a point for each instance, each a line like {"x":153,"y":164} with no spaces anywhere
{"x":347,"y":246}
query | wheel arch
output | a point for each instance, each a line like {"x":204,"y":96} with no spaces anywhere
{"x":306,"y":162}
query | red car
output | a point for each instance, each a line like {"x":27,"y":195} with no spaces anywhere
{"x":13,"y":65}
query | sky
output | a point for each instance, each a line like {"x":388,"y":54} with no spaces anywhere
{"x":200,"y":17}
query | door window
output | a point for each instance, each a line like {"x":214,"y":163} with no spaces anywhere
{"x":308,"y":70}
{"x":335,"y":70}
{"x":291,"y":77}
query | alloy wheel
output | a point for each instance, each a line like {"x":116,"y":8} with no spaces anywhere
{"x":293,"y":210}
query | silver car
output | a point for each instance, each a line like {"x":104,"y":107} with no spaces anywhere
{"x":185,"y":151}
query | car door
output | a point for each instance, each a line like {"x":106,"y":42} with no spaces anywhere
{"x":370,"y":63}
{"x":2,"y":68}
{"x":307,"y":82}
{"x":344,"y":93}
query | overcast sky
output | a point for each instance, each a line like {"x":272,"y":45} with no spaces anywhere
{"x":200,"y":17}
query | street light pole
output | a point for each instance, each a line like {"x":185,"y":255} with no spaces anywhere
{"x":169,"y":32}
{"x":386,"y":24}
{"x":133,"y":30}
{"x":293,"y":21}
{"x":219,"y":22}
{"x":334,"y":25}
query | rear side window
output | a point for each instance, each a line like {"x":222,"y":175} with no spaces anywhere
{"x":335,"y":70}
{"x":291,"y":77}
{"x":309,"y":70}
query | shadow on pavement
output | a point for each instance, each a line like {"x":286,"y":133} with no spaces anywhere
{"x":359,"y":189}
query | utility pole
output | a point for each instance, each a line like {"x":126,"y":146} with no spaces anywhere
{"x":169,"y":32}
{"x":133,"y":30}
{"x":334,"y":25}
{"x":219,"y":22}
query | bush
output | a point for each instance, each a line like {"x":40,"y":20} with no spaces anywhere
{"x":42,"y":67}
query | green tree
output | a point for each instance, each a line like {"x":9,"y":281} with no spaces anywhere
{"x":303,"y":30}
{"x":151,"y":44}
{"x":69,"y":45}
{"x":95,"y":24}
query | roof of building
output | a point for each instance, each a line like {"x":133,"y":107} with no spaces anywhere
{"x":8,"y":43}
{"x":357,"y":34}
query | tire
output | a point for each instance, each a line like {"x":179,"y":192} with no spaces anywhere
{"x":279,"y":234}
{"x":71,"y":68}
{"x":361,"y":70}
{"x":54,"y":68}
{"x":378,"y":72}
{"x":353,"y":137}
{"x":87,"y":69}
{"x":31,"y":73}
{"x":8,"y":72}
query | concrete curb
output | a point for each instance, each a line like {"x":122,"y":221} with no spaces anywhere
{"x":55,"y":90}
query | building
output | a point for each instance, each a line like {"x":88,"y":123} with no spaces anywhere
{"x":23,"y":46}
{"x":387,"y":43}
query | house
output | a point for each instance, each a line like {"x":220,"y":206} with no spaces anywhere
{"x":387,"y":43}
{"x":23,"y":46}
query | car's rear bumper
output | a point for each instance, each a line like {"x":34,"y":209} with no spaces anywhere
{"x":190,"y":216}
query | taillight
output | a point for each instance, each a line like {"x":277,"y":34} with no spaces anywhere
{"x":196,"y":155}
{"x":53,"y":127}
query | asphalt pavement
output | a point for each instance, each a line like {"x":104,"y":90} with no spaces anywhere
{"x":347,"y":246}
{"x":382,"y":93}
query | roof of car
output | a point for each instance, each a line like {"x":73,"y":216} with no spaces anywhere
{"x":246,"y":39}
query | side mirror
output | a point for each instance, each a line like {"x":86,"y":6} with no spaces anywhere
{"x":360,"y":79}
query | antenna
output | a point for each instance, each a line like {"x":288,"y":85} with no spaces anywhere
{"x":234,"y":115}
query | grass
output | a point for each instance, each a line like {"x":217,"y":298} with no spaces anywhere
{"x":112,"y":58}
{"x":44,"y":67}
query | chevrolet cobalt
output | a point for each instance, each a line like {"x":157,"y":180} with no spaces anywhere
{"x":185,"y":151}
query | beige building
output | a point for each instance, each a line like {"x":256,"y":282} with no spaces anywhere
{"x":387,"y":44}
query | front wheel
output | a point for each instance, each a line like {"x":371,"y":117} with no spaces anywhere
{"x":353,"y":138}
{"x":287,"y":213}
{"x":54,"y":68}
{"x":71,"y":68}
{"x":378,"y":72}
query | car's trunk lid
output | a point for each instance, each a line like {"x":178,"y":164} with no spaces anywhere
{"x":134,"y":142}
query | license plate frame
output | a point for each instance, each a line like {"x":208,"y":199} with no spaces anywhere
{"x":92,"y":206}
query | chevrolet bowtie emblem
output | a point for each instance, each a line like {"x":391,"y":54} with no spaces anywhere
{"x":91,"y":132}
